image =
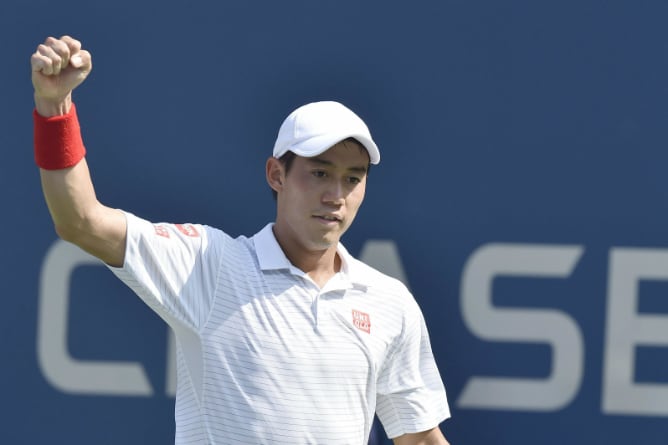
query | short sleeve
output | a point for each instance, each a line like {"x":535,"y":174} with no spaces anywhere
{"x":172,"y":268}
{"x":411,"y":395}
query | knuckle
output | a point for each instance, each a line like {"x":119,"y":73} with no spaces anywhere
{"x":57,"y":46}
{"x":60,"y":47}
{"x":45,"y":61}
{"x":57,"y":60}
{"x":70,"y":42}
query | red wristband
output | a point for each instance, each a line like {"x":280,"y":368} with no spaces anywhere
{"x":58,"y":142}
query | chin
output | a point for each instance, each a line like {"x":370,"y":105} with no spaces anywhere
{"x":324,"y":243}
{"x":319,"y":240}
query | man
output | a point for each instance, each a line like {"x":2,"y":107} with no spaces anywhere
{"x":282,"y":337}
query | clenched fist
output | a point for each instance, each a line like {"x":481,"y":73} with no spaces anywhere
{"x":58,"y":67}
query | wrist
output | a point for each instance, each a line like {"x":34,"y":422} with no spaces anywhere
{"x":57,"y":140}
{"x":49,"y":107}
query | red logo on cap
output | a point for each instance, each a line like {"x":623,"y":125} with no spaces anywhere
{"x":362,"y":321}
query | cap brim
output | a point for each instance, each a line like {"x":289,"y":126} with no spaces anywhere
{"x":319,"y":144}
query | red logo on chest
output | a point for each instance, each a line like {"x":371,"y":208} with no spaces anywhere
{"x":362,"y":321}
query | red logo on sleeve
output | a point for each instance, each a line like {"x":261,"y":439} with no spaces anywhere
{"x":161,"y":231}
{"x":188,"y":230}
{"x":362,"y":321}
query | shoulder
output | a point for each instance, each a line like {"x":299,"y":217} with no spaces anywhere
{"x":391,"y":292}
{"x":372,"y":277}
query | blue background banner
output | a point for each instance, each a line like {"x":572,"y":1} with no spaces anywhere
{"x":521,"y":196}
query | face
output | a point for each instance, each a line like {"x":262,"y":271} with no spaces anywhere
{"x":319,"y":197}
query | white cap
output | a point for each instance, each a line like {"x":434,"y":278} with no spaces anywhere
{"x":314,"y":128}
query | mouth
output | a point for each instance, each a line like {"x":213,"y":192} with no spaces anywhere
{"x":328,"y":218}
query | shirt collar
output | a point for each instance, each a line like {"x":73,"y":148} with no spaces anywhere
{"x":271,"y":257}
{"x":269,"y":252}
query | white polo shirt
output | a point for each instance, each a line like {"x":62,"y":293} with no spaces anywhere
{"x":265,"y":356}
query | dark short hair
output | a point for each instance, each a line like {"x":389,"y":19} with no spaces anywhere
{"x":289,"y":157}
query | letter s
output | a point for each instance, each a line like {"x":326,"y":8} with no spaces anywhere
{"x":551,"y":326}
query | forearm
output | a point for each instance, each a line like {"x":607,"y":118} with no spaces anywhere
{"x":69,"y":195}
{"x":59,"y":152}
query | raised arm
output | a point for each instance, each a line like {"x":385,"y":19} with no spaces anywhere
{"x":58,"y":67}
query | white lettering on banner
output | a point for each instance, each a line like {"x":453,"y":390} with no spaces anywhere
{"x":549,"y":326}
{"x":626,"y":329}
{"x":60,"y":369}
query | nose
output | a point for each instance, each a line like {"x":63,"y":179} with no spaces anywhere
{"x":334,"y":194}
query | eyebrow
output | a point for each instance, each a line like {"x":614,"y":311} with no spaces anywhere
{"x":357,"y":169}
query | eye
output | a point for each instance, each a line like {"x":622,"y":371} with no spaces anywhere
{"x":354,"y":180}
{"x":319,"y":173}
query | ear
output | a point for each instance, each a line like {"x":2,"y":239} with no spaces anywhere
{"x":275,"y":172}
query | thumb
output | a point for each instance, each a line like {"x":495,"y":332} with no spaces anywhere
{"x":76,"y":61}
{"x":81,"y":59}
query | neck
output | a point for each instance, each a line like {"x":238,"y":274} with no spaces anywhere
{"x":319,"y":264}
{"x":320,"y":268}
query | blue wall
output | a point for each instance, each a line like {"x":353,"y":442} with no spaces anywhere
{"x":523,"y":189}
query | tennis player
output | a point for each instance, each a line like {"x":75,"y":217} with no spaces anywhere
{"x":282,"y":337}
